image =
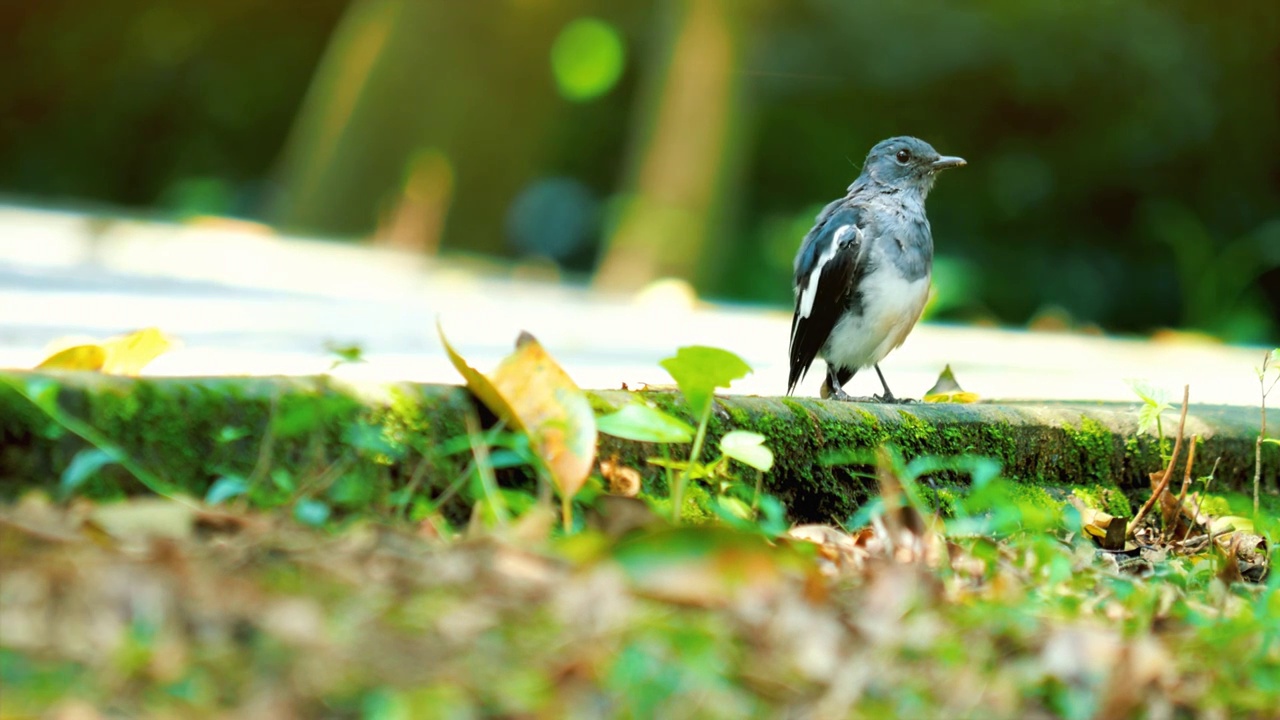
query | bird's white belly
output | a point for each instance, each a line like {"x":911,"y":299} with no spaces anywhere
{"x":891,"y":305}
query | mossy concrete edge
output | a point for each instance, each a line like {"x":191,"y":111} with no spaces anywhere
{"x":190,"y":431}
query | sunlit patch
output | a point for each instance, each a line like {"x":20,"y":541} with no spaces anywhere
{"x":587,"y":59}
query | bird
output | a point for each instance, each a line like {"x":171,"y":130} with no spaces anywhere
{"x":862,"y":272}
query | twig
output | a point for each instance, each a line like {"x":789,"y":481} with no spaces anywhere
{"x":1262,"y":431}
{"x":1186,"y":483}
{"x":1186,"y":480}
{"x":1168,"y":472}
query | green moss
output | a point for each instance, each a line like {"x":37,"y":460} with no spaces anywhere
{"x":599,"y":405}
{"x":868,"y":418}
{"x":740,"y":418}
{"x":941,"y":498}
{"x":669,"y":402}
{"x":1035,"y":495}
{"x":997,"y":441}
{"x":1109,"y":499}
{"x":1216,"y":506}
{"x":912,"y":432}
{"x":1094,"y":445}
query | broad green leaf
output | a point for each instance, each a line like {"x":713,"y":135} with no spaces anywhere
{"x":699,"y":370}
{"x":311,"y":512}
{"x":83,"y":466}
{"x":225,"y":488}
{"x":641,"y":423}
{"x":747,"y":447}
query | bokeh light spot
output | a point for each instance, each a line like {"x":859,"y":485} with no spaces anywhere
{"x":553,"y":217}
{"x":587,"y":59}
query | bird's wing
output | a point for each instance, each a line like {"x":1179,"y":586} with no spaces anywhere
{"x":826,"y":272}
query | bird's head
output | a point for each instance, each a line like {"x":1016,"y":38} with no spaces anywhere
{"x":907,"y":163}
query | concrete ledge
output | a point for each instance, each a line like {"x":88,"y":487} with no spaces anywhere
{"x":189,"y":431}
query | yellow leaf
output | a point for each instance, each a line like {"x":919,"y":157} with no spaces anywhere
{"x":479,"y":385}
{"x":959,"y":397}
{"x":947,"y":390}
{"x":78,"y":357}
{"x":121,"y":355}
{"x":128,"y":354}
{"x":552,"y":409}
{"x":1106,"y":530}
{"x":533,"y":393}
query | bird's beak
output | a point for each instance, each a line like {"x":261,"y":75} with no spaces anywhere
{"x":947,"y":161}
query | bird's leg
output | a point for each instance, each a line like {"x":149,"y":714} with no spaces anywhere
{"x":887,"y":397}
{"x":831,"y":389}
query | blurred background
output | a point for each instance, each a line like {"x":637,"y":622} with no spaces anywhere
{"x":1124,"y":157}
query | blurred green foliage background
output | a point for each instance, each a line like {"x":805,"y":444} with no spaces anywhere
{"x":1124,"y":156}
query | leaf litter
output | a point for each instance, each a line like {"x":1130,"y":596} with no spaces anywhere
{"x":149,"y":606}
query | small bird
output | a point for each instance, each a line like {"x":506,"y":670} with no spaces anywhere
{"x":862,"y":273}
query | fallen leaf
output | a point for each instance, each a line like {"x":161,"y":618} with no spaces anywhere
{"x":77,"y":357}
{"x":532,"y":393}
{"x":616,"y":515}
{"x":1228,"y":566}
{"x":479,"y":385}
{"x":120,"y":355}
{"x":144,"y":517}
{"x":1106,"y":530}
{"x":839,"y":549}
{"x":623,"y":480}
{"x":128,"y":354}
{"x":947,"y":390}
{"x":706,"y":566}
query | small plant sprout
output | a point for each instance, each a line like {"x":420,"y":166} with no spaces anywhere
{"x":1155,"y":401}
{"x":698,"y":371}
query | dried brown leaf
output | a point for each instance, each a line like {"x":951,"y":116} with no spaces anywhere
{"x":623,"y":480}
{"x":1228,"y":566}
{"x":531,"y":392}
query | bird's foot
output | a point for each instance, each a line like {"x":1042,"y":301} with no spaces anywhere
{"x":891,"y":399}
{"x":842,"y":396}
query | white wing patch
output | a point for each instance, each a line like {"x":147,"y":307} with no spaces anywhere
{"x":810,"y":292}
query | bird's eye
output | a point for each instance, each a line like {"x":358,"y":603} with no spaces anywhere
{"x":904,"y":156}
